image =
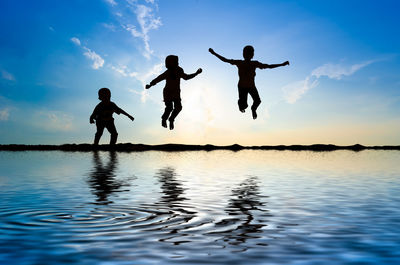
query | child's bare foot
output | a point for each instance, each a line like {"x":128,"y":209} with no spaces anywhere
{"x":254,"y":114}
{"x":171,"y":125}
{"x":164,"y":123}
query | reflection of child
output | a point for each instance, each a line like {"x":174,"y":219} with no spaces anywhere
{"x":102,"y":113}
{"x":247,"y":73}
{"x":172,"y":90}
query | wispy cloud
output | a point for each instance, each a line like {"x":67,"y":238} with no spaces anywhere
{"x":76,"y":41}
{"x":124,"y":71}
{"x":144,"y":78}
{"x":6,"y":75}
{"x":146,"y":21}
{"x":111,"y":2}
{"x":153,"y":72}
{"x":98,"y":61}
{"x":53,"y":121}
{"x":294,"y":91}
{"x":109,"y":26}
{"x":4,"y":114}
{"x":338,"y":71}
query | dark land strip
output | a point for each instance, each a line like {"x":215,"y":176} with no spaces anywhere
{"x":128,"y":147}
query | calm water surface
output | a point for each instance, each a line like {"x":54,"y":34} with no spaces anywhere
{"x":219,"y":207}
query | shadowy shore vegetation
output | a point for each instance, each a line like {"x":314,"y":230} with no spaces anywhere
{"x":128,"y":147}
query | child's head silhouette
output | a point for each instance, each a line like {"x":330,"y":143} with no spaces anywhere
{"x":171,"y":61}
{"x":248,"y":52}
{"x":104,"y":94}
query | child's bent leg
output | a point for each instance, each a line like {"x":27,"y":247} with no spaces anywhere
{"x":175,"y":112}
{"x":99,"y":132}
{"x":256,"y":101}
{"x":242,"y":102}
{"x":167,"y":112}
{"x":113,"y":131}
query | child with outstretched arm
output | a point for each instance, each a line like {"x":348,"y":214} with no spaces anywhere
{"x":102,"y":114}
{"x":247,"y":72}
{"x":172,"y":90}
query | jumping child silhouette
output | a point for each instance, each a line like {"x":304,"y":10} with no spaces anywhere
{"x":172,"y":90}
{"x":102,"y":113}
{"x":247,"y":73}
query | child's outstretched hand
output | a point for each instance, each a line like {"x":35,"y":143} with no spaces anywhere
{"x":211,"y":50}
{"x":199,"y":71}
{"x":286,"y":63}
{"x":131,"y":117}
{"x":148,"y":86}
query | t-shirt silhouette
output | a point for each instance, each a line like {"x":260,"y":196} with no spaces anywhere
{"x":247,"y":72}
{"x":104,"y":111}
{"x":172,"y":89}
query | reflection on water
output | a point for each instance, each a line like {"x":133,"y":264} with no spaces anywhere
{"x":240,"y":224}
{"x":172,"y":201}
{"x":216,"y":207}
{"x":102,"y":180}
{"x":172,"y":190}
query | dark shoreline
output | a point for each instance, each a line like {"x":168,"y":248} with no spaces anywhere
{"x":128,"y":147}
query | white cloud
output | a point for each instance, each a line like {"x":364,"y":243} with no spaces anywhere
{"x":6,"y":75}
{"x":4,"y":114}
{"x":109,"y":26}
{"x":146,"y":21}
{"x":123,"y":70}
{"x":152,"y":73}
{"x":53,"y":121}
{"x":98,"y":62}
{"x":144,"y":95}
{"x":294,"y":91}
{"x":145,"y":78}
{"x":76,"y":41}
{"x":338,"y":71}
{"x":111,"y":2}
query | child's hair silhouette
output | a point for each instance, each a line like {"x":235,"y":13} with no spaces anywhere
{"x":247,"y":73}
{"x":102,"y":114}
{"x":172,"y":90}
{"x":248,"y":52}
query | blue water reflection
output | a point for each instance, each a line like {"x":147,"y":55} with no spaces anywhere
{"x":247,"y":207}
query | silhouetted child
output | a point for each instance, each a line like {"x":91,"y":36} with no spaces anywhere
{"x":102,"y":113}
{"x":172,"y":90}
{"x":247,"y":73}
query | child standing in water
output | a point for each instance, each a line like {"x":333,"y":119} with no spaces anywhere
{"x":247,"y":73}
{"x":172,"y":90}
{"x":102,"y":114}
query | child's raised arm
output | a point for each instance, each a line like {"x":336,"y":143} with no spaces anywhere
{"x":219,"y":56}
{"x":270,"y":66}
{"x":156,"y":80}
{"x":190,"y":76}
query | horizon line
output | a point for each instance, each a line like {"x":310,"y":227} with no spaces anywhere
{"x":171,"y":147}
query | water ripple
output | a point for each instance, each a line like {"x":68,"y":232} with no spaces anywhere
{"x":165,"y":216}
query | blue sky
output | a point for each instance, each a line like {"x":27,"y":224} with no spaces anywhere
{"x":342,"y":87}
